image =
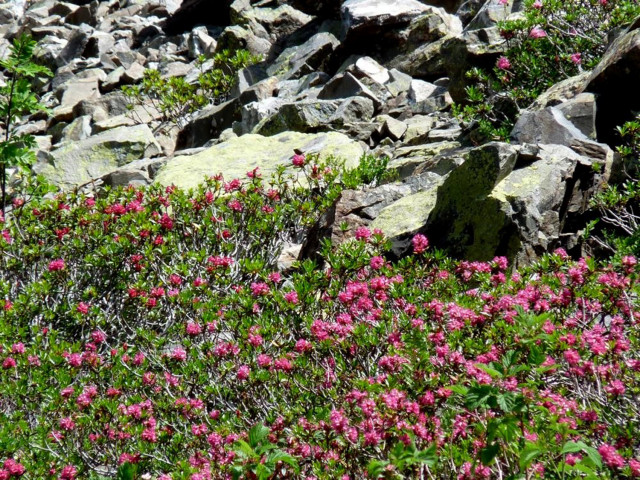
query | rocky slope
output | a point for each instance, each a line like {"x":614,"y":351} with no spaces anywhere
{"x":345,"y":78}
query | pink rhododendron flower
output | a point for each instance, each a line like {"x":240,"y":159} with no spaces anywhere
{"x":243,"y":372}
{"x":362,"y":233}
{"x":56,"y":265}
{"x":298,"y":160}
{"x":610,"y":456}
{"x":537,"y":32}
{"x":420,"y":243}
{"x":503,"y":63}
{"x":576,"y":58}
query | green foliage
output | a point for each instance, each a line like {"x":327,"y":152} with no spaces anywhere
{"x":18,"y":99}
{"x":371,"y":170}
{"x":176,"y":99}
{"x":553,"y":40}
{"x":404,"y":459}
{"x":618,"y":228}
{"x":259,"y":457}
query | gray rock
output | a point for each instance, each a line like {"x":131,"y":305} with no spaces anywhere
{"x":581,"y":111}
{"x":200,"y":42}
{"x":252,"y":37}
{"x":368,"y":67}
{"x":398,"y":82}
{"x":305,"y":116}
{"x":346,"y":85}
{"x":112,"y":81}
{"x":280,"y":22}
{"x":615,"y":81}
{"x":546,"y":126}
{"x":561,"y":92}
{"x":492,"y":12}
{"x":75,"y":46}
{"x":209,"y":123}
{"x":260,"y":91}
{"x":463,"y":221}
{"x":75,"y":163}
{"x":418,"y":128}
{"x":391,"y":127}
{"x":255,"y":112}
{"x":352,"y":111}
{"x":124,"y":177}
{"x":78,"y":129}
{"x":133,"y":74}
{"x":313,"y":55}
{"x":360,"y":15}
{"x":72,"y":93}
{"x":239,"y":155}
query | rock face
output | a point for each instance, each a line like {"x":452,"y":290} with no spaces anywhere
{"x":348,"y":78}
{"x":235,"y":157}
{"x":79,"y":162}
{"x":615,"y":81}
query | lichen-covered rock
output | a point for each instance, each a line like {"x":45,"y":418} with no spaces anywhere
{"x":78,"y":162}
{"x":465,"y":220}
{"x":237,"y":156}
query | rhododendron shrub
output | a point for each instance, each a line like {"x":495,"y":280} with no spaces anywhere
{"x":165,"y":339}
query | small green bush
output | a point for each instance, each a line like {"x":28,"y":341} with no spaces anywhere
{"x":176,"y":99}
{"x":18,"y":99}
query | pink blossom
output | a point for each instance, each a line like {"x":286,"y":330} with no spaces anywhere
{"x":503,"y":63}
{"x":537,"y":32}
{"x":420,"y":243}
{"x":298,"y":160}
{"x":56,"y":265}
{"x":67,"y":423}
{"x":616,"y":387}
{"x":69,"y":472}
{"x":243,"y":372}
{"x":537,"y":4}
{"x":362,"y":233}
{"x":576,"y":58}
{"x":291,"y":297}
{"x":98,"y":337}
{"x":14,"y":468}
{"x":193,"y":329}
{"x":179,"y":354}
{"x":376,"y":262}
{"x":82,"y":308}
{"x":610,"y":456}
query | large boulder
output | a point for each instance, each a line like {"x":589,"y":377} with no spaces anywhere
{"x":78,"y":162}
{"x":316,"y":115}
{"x":615,"y":81}
{"x":360,"y":16}
{"x":239,"y":155}
{"x":518,"y":201}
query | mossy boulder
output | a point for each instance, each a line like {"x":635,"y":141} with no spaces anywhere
{"x":75,"y":163}
{"x":237,"y":156}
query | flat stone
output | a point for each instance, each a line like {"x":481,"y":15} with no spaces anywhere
{"x":78,"y":162}
{"x":235,"y":157}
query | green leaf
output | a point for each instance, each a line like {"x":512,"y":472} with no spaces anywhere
{"x":488,"y":453}
{"x":528,"y":454}
{"x":428,"y":456}
{"x":376,"y":468}
{"x":257,"y":434}
{"x":126,"y":471}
